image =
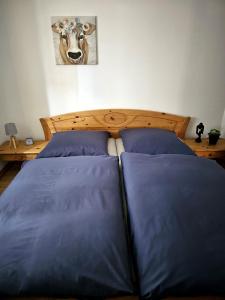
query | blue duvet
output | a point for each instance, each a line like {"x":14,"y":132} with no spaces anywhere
{"x":62,"y":231}
{"x":176,"y":205}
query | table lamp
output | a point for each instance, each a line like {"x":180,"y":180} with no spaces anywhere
{"x":10,"y":129}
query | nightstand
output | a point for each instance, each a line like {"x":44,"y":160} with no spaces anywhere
{"x":205,"y":150}
{"x":22,"y":152}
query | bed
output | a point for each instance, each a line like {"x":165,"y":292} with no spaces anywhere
{"x":62,"y":230}
{"x":176,"y":207}
{"x":112,"y":121}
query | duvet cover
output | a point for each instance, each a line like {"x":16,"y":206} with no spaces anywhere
{"x":62,"y":230}
{"x":176,"y":207}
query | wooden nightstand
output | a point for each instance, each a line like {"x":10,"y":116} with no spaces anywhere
{"x":22,"y":152}
{"x":204,"y":149}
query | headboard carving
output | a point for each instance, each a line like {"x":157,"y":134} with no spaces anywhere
{"x":113,"y":120}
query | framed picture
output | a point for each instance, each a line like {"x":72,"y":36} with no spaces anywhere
{"x":74,"y":40}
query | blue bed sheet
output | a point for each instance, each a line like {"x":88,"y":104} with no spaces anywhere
{"x":176,"y":206}
{"x":62,"y":230}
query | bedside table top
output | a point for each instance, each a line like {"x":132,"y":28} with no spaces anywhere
{"x":204,"y":145}
{"x":22,"y":152}
{"x":22,"y":148}
{"x":206,"y":150}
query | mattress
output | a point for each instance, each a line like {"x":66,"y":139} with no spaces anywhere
{"x":112,"y":151}
{"x":119,"y":146}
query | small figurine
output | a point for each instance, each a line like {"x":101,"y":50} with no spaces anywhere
{"x":199,"y":132}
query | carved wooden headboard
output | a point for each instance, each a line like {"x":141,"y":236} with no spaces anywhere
{"x":113,"y":120}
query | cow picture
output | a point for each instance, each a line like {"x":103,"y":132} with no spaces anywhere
{"x":74,"y":40}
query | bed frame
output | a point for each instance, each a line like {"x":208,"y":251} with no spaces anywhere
{"x":113,"y":120}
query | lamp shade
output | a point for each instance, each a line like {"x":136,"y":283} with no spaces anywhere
{"x":10,"y":129}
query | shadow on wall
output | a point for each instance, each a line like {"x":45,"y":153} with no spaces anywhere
{"x":203,"y":92}
{"x":23,"y":86}
{"x":223,"y":126}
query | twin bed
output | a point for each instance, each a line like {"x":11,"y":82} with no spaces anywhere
{"x":77,"y":223}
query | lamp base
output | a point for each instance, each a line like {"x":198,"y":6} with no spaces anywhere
{"x":12,"y":142}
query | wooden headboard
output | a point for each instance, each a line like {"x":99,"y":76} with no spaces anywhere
{"x":113,"y":120}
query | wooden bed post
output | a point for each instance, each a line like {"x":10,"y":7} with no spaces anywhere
{"x":48,"y":128}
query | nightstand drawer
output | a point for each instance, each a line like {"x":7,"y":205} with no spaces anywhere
{"x":211,"y":154}
{"x":17,"y":157}
{"x":203,"y":149}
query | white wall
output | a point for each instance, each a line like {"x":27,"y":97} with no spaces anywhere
{"x":22,"y":81}
{"x":2,"y":137}
{"x":165,"y":55}
{"x":223,"y":125}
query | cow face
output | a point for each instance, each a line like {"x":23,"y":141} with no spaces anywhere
{"x":73,"y":45}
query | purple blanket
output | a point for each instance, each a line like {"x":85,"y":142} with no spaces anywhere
{"x":176,"y":205}
{"x":62,"y":231}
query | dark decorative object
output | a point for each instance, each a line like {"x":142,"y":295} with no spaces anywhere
{"x":214,"y":136}
{"x":199,"y":132}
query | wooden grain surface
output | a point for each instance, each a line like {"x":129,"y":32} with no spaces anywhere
{"x":113,"y":120}
{"x":22,"y":152}
{"x":203,"y":149}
